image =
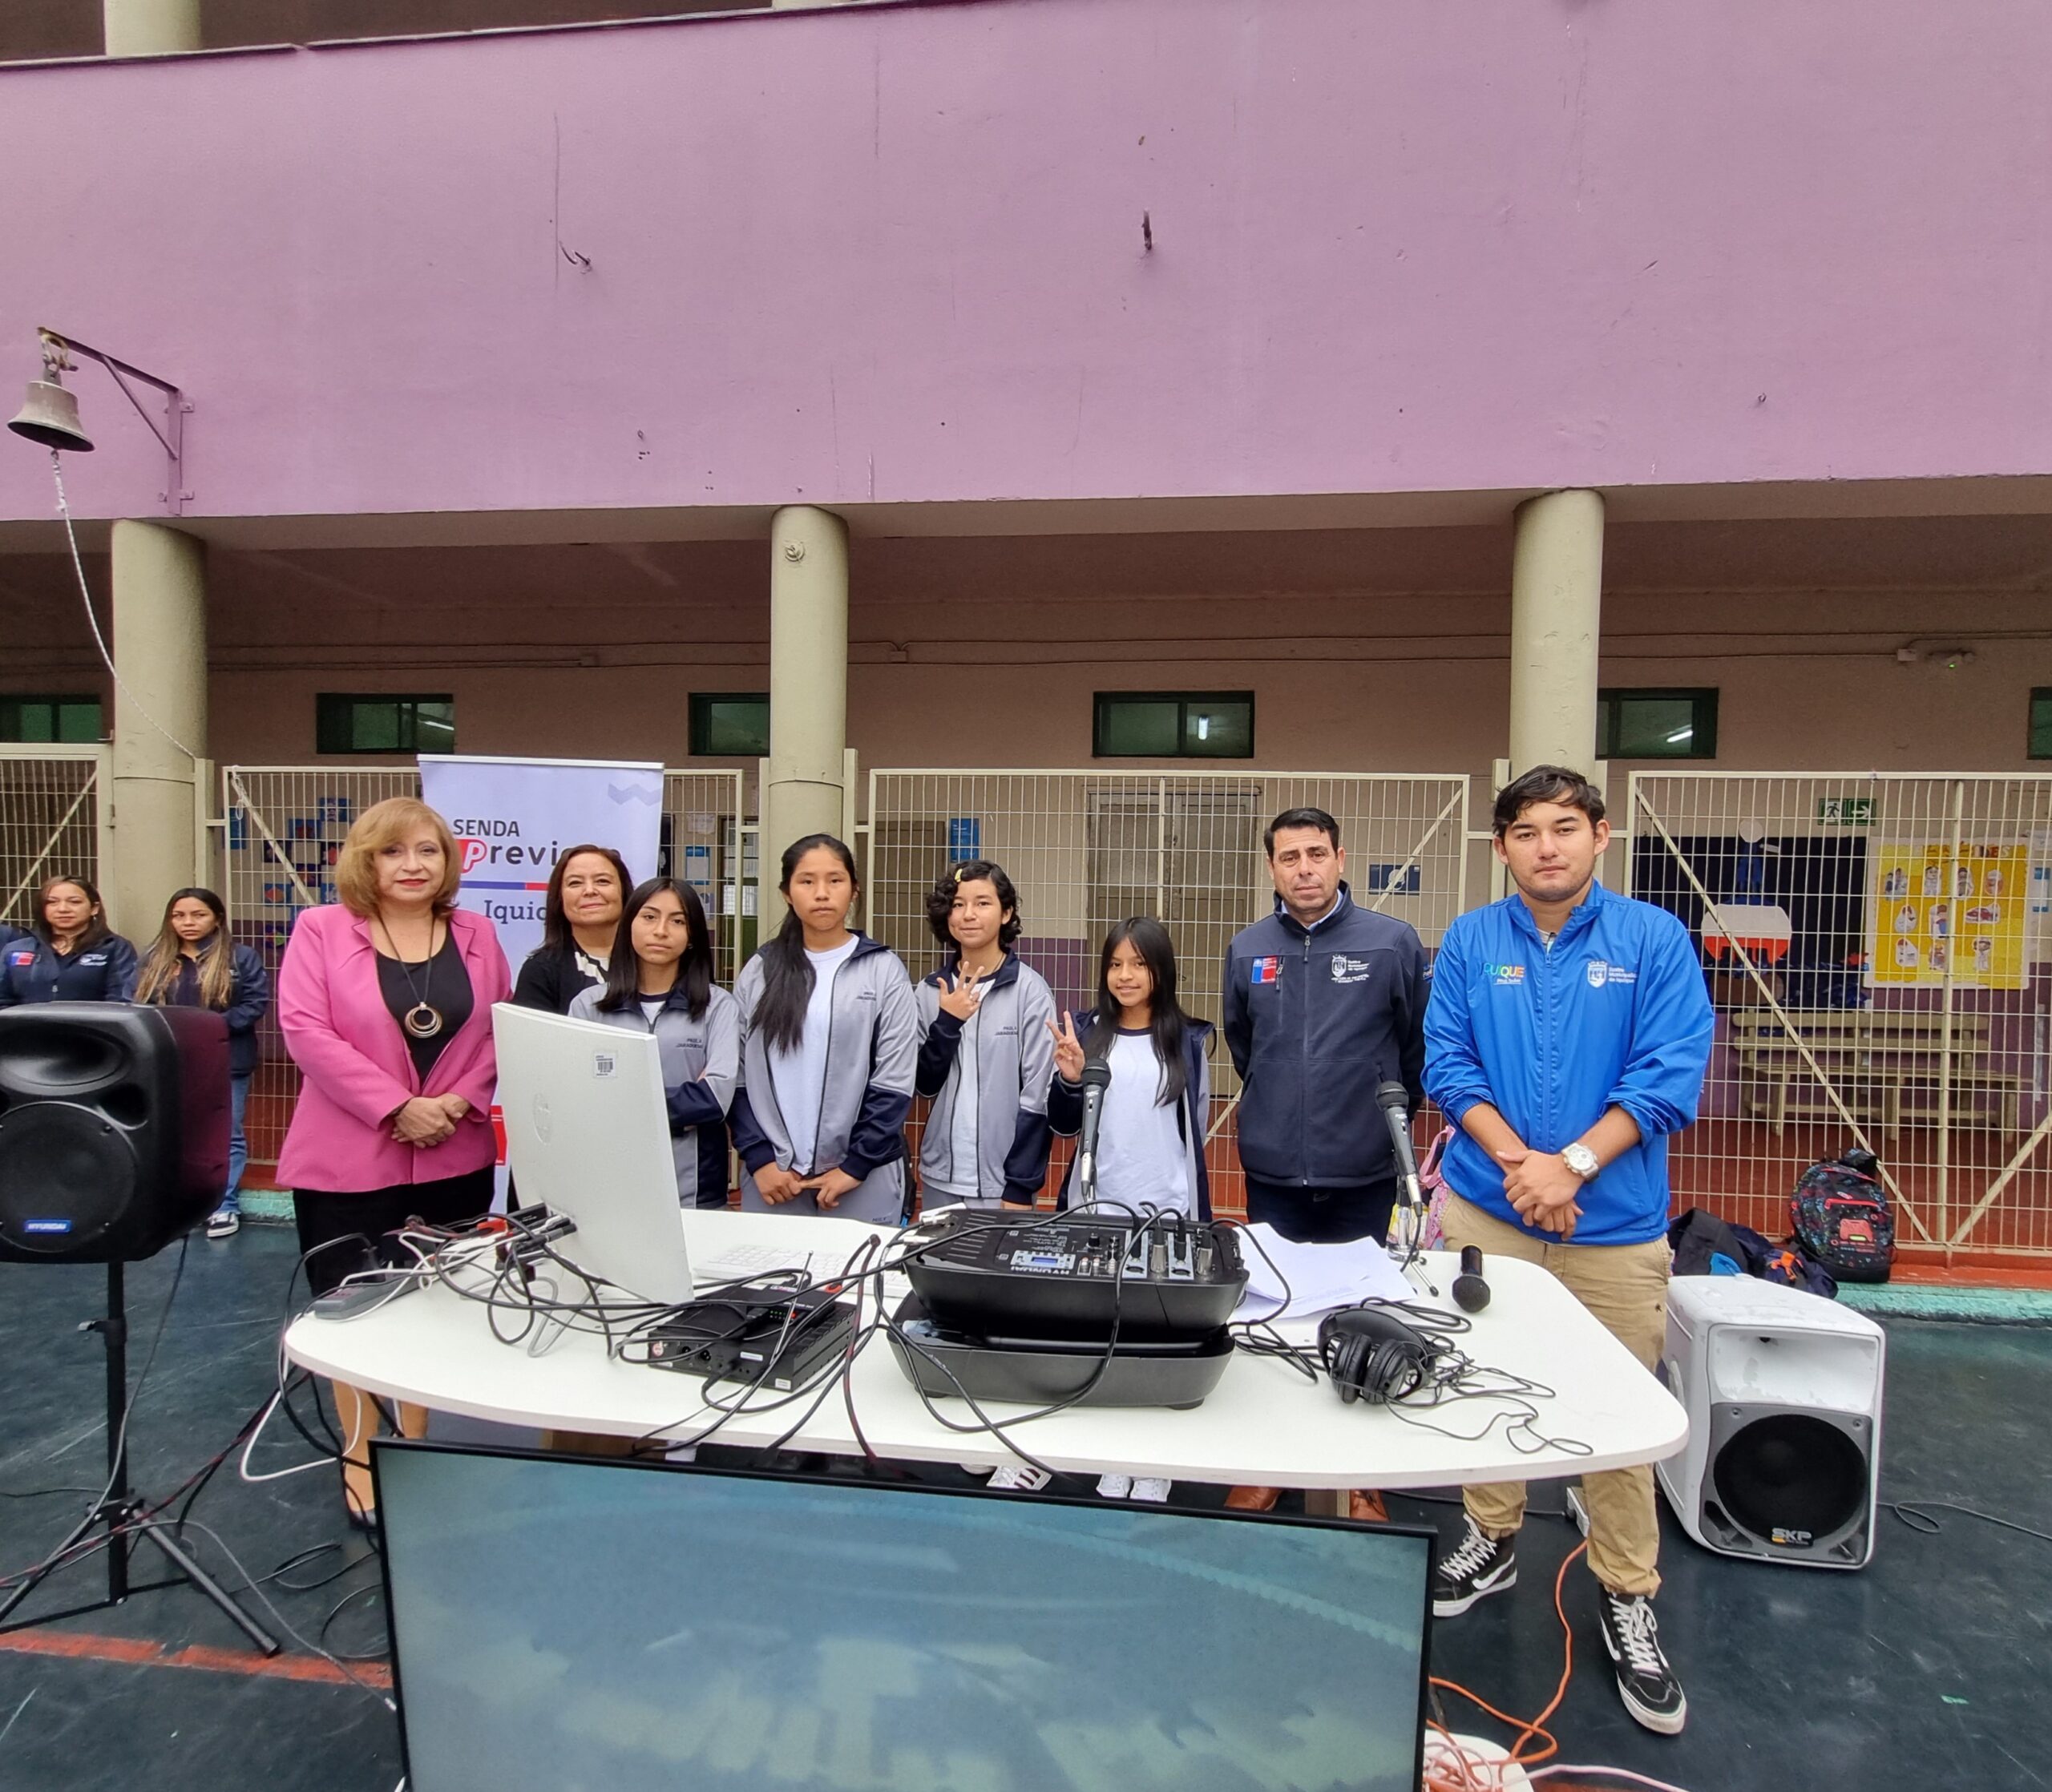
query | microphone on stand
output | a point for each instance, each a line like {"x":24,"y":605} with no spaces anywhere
{"x":1394,"y":1100}
{"x":1097,"y":1080}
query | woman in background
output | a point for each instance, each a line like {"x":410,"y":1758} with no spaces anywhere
{"x":386,"y":1004}
{"x":829,"y":1032}
{"x":661,"y":982}
{"x":579,"y":920}
{"x":72,"y":956}
{"x":194,"y":964}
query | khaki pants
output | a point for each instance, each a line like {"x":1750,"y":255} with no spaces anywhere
{"x":1626,"y":1287}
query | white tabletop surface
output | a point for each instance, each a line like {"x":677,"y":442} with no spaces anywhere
{"x":1263,"y":1424}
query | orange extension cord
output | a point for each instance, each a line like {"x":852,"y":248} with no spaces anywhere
{"x":1463,"y":1776}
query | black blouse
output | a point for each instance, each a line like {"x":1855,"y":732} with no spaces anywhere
{"x":443,"y":982}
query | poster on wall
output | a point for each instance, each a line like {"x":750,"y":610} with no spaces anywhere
{"x":513,"y":817}
{"x":1941,"y":911}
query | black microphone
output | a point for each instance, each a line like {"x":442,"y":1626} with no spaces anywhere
{"x":1395,"y":1101}
{"x":1471,"y":1294}
{"x":1096,"y":1079}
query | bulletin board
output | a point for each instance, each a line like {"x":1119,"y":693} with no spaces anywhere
{"x":1939,"y":907}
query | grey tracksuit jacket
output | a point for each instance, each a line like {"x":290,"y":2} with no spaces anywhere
{"x":1015,"y":1061}
{"x":701,"y":1060}
{"x":873,"y":1039}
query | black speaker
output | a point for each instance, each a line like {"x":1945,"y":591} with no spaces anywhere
{"x":114,"y":1127}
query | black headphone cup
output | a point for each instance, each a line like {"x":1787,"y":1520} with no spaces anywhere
{"x":1373,"y":1356}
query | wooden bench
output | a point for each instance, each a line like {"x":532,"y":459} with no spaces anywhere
{"x":1882,"y":1062}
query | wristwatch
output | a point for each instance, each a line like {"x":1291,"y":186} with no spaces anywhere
{"x":1580,"y":1160}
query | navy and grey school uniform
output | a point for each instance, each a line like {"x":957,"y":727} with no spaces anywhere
{"x":870,"y":1042}
{"x":31,"y":969}
{"x":986,"y":1136}
{"x":701,"y":1060}
{"x":1124,"y":1172}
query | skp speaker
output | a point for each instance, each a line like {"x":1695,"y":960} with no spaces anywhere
{"x":1784,"y":1394}
{"x":114,"y":1127}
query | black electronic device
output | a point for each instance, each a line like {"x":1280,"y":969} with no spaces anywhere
{"x":1070,"y":1276}
{"x":1096,"y":1082}
{"x":1373,"y":1355}
{"x":1394,"y":1100}
{"x":1041,"y":1371}
{"x":765,"y":1338}
{"x":114,"y":1128}
{"x":1471,"y":1293}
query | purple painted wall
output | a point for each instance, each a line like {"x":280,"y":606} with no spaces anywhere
{"x":896,"y":253}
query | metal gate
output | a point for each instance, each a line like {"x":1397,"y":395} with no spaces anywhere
{"x":1085,"y":849}
{"x":54,"y":819}
{"x":1879,"y":949}
{"x":283,"y":829}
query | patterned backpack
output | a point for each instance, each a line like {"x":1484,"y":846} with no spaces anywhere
{"x":1842,"y":1217}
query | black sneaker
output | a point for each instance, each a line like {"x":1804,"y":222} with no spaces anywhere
{"x":1644,"y":1682}
{"x":1480,"y":1566}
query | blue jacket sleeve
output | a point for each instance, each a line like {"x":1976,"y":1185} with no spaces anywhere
{"x":1454,"y":1075}
{"x":878,"y":1135}
{"x":122,"y":969}
{"x":1237,"y":1026}
{"x":1026,"y":1164}
{"x":937,"y":1051}
{"x":751,"y":1142}
{"x":705,"y":1099}
{"x":1672,"y":1025}
{"x":251,"y":993}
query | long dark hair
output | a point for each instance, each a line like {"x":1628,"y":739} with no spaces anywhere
{"x":216,"y":958}
{"x":555,"y":929}
{"x":786,"y":971}
{"x":1168,"y":1023}
{"x":97,"y":931}
{"x":694,"y":970}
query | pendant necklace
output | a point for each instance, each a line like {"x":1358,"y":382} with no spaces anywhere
{"x":422,"y":1020}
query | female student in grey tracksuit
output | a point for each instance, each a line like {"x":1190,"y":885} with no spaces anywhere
{"x":830,"y":1030}
{"x":986,"y":1053}
{"x":660,"y":981}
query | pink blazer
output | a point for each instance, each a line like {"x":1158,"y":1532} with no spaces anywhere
{"x":355,"y":1065}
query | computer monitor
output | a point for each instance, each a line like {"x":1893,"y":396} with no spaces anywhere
{"x":573,"y":1623}
{"x":588,"y":1134}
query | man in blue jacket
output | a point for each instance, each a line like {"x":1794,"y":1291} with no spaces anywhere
{"x":1323,"y":1001}
{"x":1567,"y":1035}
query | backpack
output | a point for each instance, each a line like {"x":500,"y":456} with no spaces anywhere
{"x":1705,"y":1245}
{"x":1843,"y":1220}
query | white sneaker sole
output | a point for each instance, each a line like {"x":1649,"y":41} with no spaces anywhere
{"x":1497,"y":1583}
{"x":1661,"y":1723}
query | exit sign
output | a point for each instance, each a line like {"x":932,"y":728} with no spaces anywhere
{"x":1846,"y":812}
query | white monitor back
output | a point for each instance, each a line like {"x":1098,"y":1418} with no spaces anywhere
{"x":588,"y":1134}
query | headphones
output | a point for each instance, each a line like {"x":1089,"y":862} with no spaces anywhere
{"x":1372,"y":1355}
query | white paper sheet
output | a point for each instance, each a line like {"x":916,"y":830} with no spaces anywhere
{"x":1319,"y":1277}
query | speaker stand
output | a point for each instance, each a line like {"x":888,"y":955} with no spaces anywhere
{"x":125,"y":1513}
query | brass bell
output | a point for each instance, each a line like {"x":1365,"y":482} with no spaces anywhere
{"x":50,"y":417}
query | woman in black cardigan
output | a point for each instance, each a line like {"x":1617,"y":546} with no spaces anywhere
{"x":586,"y":892}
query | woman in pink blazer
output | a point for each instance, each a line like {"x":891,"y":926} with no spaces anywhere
{"x":385,"y":1006}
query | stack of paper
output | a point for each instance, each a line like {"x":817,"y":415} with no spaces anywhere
{"x":1318,"y":1277}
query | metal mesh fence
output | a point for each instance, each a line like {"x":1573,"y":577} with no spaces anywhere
{"x":1879,"y":952}
{"x":1087,"y":848}
{"x":50,"y":812}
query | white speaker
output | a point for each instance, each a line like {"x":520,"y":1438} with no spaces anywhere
{"x":1784,"y":1394}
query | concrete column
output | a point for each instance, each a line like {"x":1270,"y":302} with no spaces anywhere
{"x":150,"y":27}
{"x":160,"y":650}
{"x":808,"y":686}
{"x":1556,"y":606}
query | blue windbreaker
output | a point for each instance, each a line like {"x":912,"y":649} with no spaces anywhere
{"x":1616,"y":1014}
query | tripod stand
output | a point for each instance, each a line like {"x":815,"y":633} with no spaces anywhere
{"x":125,"y":1513}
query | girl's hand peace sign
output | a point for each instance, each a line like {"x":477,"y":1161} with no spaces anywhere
{"x":1069,"y":1049}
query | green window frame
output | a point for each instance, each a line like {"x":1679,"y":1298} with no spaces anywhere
{"x":1657,"y":723}
{"x":729,"y":725}
{"x":38,"y":720}
{"x":353,"y":722}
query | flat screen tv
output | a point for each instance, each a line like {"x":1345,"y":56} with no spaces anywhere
{"x":583,"y":1625}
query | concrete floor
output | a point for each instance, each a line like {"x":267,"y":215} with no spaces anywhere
{"x":1922,"y":1672}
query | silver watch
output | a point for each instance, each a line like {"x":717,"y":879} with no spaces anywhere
{"x":1580,"y":1160}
